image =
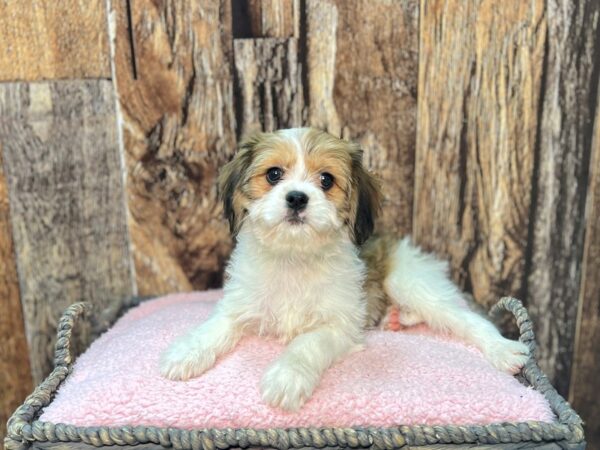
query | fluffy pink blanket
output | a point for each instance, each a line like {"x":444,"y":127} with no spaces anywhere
{"x":406,"y":377}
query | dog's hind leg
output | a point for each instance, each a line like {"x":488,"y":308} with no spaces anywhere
{"x":419,"y":285}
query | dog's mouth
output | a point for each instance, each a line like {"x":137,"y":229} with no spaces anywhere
{"x":295,"y":219}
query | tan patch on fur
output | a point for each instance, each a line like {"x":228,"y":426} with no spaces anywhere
{"x":271,"y":151}
{"x":355,"y":192}
{"x":326,"y":153}
{"x":240,"y":201}
{"x":376,"y":254}
{"x":230,"y":179}
{"x":337,"y":164}
{"x":365,"y":201}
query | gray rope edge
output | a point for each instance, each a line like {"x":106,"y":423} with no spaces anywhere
{"x":22,"y":430}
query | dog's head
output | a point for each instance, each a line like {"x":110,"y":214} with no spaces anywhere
{"x":299,"y":188}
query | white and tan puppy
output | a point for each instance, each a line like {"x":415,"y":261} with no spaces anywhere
{"x":307,"y":271}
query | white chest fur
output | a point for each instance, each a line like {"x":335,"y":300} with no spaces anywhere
{"x":284,"y":295}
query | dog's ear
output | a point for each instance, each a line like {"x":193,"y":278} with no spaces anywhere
{"x":231,"y":178}
{"x":366,"y":200}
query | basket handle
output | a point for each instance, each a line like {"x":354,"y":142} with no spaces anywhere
{"x":532,"y":372}
{"x":63,"y":350}
{"x":515,"y":306}
{"x":19,"y":424}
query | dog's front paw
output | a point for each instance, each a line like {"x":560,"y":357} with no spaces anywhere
{"x":286,"y":386}
{"x":184,"y":360}
{"x":506,"y":355}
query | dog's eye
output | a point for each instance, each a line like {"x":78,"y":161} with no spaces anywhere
{"x":326,"y":181}
{"x":274,"y":174}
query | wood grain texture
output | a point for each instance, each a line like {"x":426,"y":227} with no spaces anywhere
{"x":480,"y":79}
{"x":15,"y":374}
{"x":64,"y":175}
{"x":362,"y":66}
{"x":178,"y":129}
{"x":568,"y":111}
{"x":274,"y":18}
{"x":585,"y":383}
{"x":268,"y":84}
{"x":49,"y":39}
{"x":265,"y":18}
{"x":321,"y":48}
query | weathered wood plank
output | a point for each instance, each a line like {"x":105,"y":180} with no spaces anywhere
{"x":265,"y":18}
{"x":64,"y":175}
{"x":362,"y":64}
{"x":273,"y":18}
{"x":15,"y":374}
{"x":49,"y":39}
{"x":321,"y":48}
{"x":178,"y":129}
{"x":268,"y":83}
{"x":568,"y":111}
{"x":585,"y":383}
{"x":480,"y":79}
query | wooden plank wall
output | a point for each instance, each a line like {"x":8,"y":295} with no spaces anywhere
{"x":115,"y":117}
{"x":62,"y":172}
{"x":59,"y":144}
{"x":47,"y":39}
{"x":568,"y":108}
{"x":585,"y":383}
{"x":480,"y":81}
{"x":178,"y":129}
{"x":362,"y":84}
{"x":335,"y":61}
{"x":15,"y":374}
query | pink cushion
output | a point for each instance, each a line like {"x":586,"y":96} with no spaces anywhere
{"x":407,"y":377}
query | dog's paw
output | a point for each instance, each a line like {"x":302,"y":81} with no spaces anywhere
{"x":285,"y":386}
{"x":409,"y":318}
{"x":184,"y":360}
{"x":506,"y":355}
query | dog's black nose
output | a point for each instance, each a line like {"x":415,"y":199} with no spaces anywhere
{"x":296,"y":200}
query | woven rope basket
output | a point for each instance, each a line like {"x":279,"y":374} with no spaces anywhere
{"x":25,"y":431}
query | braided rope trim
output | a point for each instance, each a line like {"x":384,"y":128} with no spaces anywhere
{"x":23,"y":430}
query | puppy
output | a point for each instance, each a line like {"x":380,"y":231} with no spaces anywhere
{"x":307,"y":270}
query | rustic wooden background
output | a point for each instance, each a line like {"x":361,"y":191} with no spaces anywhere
{"x":480,"y":116}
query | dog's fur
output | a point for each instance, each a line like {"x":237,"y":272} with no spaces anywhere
{"x":316,"y":279}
